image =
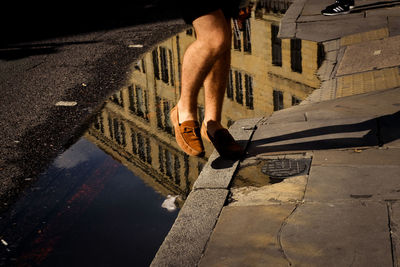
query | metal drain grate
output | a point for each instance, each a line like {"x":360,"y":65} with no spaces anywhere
{"x":283,"y":168}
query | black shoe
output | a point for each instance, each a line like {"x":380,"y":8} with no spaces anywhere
{"x":339,"y":7}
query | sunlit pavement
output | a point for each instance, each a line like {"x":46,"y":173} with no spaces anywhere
{"x":343,"y":208}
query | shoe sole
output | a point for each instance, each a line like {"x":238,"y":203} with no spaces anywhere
{"x":179,"y":139}
{"x":335,"y":14}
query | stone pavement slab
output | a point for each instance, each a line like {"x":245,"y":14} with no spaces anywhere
{"x":354,"y":174}
{"x":352,"y":233}
{"x":369,"y":105}
{"x":370,"y":55}
{"x":394,"y":212}
{"x":248,"y":236}
{"x":337,"y":183}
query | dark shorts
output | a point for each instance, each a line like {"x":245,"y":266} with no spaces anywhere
{"x":192,"y":10}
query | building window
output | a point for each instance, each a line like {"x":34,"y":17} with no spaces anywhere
{"x":117,"y":99}
{"x":163,"y":108}
{"x":163,"y":65}
{"x":320,"y":54}
{"x":248,"y":84}
{"x":140,"y":66}
{"x":238,"y":86}
{"x":138,"y":101}
{"x":156,"y":64}
{"x":117,"y":131}
{"x":295,"y":101}
{"x":278,"y":100}
{"x":98,"y":124}
{"x":295,"y":55}
{"x":247,"y":36}
{"x":169,"y":164}
{"x":229,"y":89}
{"x":237,"y":42}
{"x":276,"y":46}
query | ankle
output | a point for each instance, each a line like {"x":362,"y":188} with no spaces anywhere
{"x":185,"y":114}
{"x":212,"y":126}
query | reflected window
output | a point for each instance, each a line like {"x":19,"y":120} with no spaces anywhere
{"x":248,"y":84}
{"x":276,"y":46}
{"x":278,"y":100}
{"x":238,"y":87}
{"x":138,"y":101}
{"x":295,"y":101}
{"x":117,"y":131}
{"x":140,"y":66}
{"x":320,"y":54}
{"x":237,"y":43}
{"x":141,"y":146}
{"x":163,"y":65}
{"x":247,"y":36}
{"x":177,"y":170}
{"x":155,"y":63}
{"x":169,"y":164}
{"x":163,"y":108}
{"x":229,"y":89}
{"x":295,"y":55}
{"x":98,"y":124}
{"x":117,"y":99}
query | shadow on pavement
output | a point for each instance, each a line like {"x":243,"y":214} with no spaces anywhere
{"x":381,"y":130}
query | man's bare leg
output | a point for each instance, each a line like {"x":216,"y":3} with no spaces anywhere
{"x":215,"y":85}
{"x":213,"y":41}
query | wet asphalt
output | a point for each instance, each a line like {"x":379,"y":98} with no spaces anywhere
{"x":81,"y":56}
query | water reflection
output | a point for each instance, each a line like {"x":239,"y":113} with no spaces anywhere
{"x":267,"y":74}
{"x":84,"y":195}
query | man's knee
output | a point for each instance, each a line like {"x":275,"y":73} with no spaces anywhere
{"x":218,"y":42}
{"x":214,"y":32}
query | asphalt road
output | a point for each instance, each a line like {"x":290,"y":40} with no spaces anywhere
{"x":58,"y":59}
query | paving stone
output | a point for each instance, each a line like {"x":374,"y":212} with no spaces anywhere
{"x":344,"y":182}
{"x":247,"y":236}
{"x":187,"y":238}
{"x":356,"y":157}
{"x":369,"y":81}
{"x":370,"y":55}
{"x":394,"y":25}
{"x":341,"y":234}
{"x":395,"y":227}
{"x":363,"y":106}
{"x":317,"y":31}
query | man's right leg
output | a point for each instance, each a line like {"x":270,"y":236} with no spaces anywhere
{"x":213,"y":40}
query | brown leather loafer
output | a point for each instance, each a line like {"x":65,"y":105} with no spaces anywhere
{"x":224,"y":143}
{"x":187,"y":135}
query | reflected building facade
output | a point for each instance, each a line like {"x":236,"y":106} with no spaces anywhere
{"x":266,"y":74}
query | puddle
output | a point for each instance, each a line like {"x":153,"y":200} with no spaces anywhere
{"x":103,"y":201}
{"x":87,"y":209}
{"x":267,"y":170}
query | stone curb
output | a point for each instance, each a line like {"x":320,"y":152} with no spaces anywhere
{"x":188,"y":237}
